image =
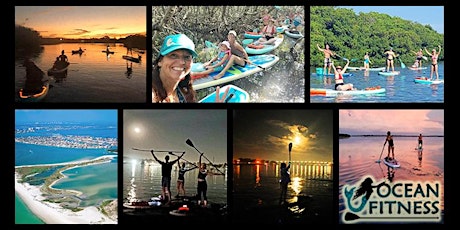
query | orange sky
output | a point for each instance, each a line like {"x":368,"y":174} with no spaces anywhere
{"x":83,"y":21}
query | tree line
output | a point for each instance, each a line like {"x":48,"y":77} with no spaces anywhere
{"x":351,"y":35}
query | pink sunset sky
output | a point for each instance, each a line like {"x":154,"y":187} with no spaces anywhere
{"x":398,"y":121}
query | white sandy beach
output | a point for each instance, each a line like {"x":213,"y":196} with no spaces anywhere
{"x":54,"y":214}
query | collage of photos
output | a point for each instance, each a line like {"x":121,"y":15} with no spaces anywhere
{"x":364,"y":148}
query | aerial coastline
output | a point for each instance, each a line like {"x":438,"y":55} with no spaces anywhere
{"x":44,"y":201}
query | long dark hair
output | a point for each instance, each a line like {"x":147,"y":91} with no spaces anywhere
{"x":159,"y":91}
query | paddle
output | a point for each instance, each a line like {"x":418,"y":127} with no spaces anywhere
{"x":184,"y":159}
{"x":402,"y":64}
{"x":290,"y":148}
{"x":345,"y":59}
{"x":189,"y":142}
{"x":252,"y":63}
{"x":378,"y":161}
{"x":425,"y":58}
{"x":229,"y":97}
{"x":158,"y":151}
{"x":351,"y":216}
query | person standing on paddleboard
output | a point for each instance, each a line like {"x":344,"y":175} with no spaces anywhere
{"x":166,"y":168}
{"x":420,"y":141}
{"x":418,"y":57}
{"x":391,"y":55}
{"x":284,"y":181}
{"x":327,"y":58}
{"x":434,"y":62}
{"x":181,"y":178}
{"x":367,"y":60}
{"x":391,"y":146}
{"x":202,"y":187}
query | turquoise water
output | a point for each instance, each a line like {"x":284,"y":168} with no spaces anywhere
{"x":97,"y":182}
{"x":30,"y":154}
{"x":22,"y":214}
{"x":399,"y":88}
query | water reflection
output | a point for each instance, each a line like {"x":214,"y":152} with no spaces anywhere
{"x":93,"y":76}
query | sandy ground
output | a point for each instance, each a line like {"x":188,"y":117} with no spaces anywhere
{"x":54,"y":214}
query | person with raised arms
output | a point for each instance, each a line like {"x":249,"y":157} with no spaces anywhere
{"x":166,"y":167}
{"x":338,"y":73}
{"x":327,"y":58}
{"x":434,"y":62}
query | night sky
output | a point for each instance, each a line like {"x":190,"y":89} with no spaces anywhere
{"x":170,"y":129}
{"x":266,"y":134}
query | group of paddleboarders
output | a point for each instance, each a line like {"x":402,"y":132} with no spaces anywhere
{"x":391,"y":145}
{"x":166,"y":167}
{"x":390,"y":57}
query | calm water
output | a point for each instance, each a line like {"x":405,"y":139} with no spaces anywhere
{"x":256,"y":192}
{"x":143,"y":181}
{"x":358,"y":158}
{"x":92,"y":76}
{"x":283,"y":82}
{"x":399,"y":88}
{"x":97,"y":182}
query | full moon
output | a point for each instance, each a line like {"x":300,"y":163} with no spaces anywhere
{"x":137,"y":130}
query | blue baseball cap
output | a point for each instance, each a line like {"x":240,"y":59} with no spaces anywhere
{"x":175,"y":42}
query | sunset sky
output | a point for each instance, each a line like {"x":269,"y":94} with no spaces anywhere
{"x":169,"y":130}
{"x":398,"y":122}
{"x":266,"y":134}
{"x":83,"y":21}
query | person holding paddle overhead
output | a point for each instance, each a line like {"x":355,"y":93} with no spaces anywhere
{"x":338,"y":73}
{"x":391,"y":55}
{"x":166,"y":167}
{"x":181,"y":178}
{"x":391,"y":146}
{"x":434,"y":62}
{"x":327,"y":58}
{"x":202,"y":187}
